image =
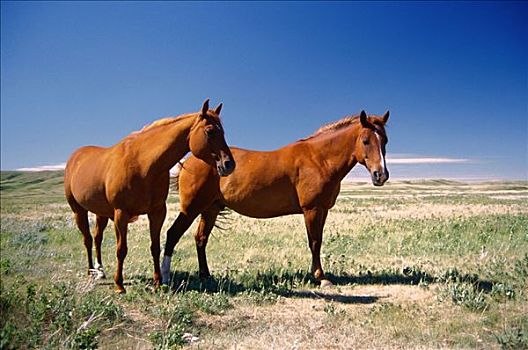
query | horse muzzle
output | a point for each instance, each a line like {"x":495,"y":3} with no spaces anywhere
{"x":379,"y":178}
{"x":225,"y":167}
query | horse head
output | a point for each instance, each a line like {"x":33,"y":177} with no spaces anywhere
{"x":370,"y":146}
{"x":207,"y":142}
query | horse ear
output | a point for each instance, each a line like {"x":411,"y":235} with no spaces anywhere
{"x":364,"y":121}
{"x":218,"y":109}
{"x":385,"y":117}
{"x":205,"y":108}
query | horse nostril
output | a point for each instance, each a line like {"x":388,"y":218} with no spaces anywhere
{"x":376,"y":175}
{"x":229,"y":164}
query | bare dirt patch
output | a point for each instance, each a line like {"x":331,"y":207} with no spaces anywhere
{"x":335,"y":318}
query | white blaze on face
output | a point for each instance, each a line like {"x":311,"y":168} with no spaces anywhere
{"x":382,"y":157}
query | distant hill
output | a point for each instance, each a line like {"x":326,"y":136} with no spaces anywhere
{"x":21,"y":183}
{"x":38,"y":184}
{"x":46,"y":186}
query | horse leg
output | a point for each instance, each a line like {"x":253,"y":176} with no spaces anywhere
{"x":81,"y":219}
{"x":156,"y":219}
{"x":201,"y":237}
{"x":315,"y":220}
{"x":121,"y":226}
{"x":100,"y":226}
{"x":175,"y":232}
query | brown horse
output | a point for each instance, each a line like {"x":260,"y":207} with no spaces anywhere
{"x":131,"y":178}
{"x":301,"y":178}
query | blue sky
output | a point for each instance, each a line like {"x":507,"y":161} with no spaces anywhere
{"x":453,"y":75}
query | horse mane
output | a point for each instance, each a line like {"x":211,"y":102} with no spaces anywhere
{"x":160,"y":122}
{"x":337,"y":125}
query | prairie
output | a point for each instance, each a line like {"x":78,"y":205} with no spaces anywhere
{"x":416,"y":265}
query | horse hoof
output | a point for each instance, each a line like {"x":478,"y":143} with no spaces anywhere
{"x":165,"y":279}
{"x":326,"y":284}
{"x":205,"y":277}
{"x":157,"y":285}
{"x":163,"y":289}
{"x":120,"y":290}
{"x":97,"y":274}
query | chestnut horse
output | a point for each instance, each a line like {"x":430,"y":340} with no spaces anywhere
{"x":131,"y":178}
{"x":301,"y":178}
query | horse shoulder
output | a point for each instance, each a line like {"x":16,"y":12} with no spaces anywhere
{"x":316,"y":184}
{"x":122,"y":171}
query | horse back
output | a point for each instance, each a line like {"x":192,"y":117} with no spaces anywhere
{"x":300,"y":171}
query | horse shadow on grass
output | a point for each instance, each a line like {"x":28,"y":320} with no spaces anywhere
{"x":267,"y":283}
{"x":301,"y":284}
{"x":412,"y":277}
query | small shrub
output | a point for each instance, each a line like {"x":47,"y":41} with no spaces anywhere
{"x":54,"y":316}
{"x":514,"y":336}
{"x":262,"y":298}
{"x":521,"y":268}
{"x":466,"y":294}
{"x":10,"y":336}
{"x":331,"y":310}
{"x":178,"y":316}
{"x":94,"y":304}
{"x":5,"y":266}
{"x":501,"y":290}
{"x":85,"y":339}
{"x":212,"y":304}
{"x":170,"y":338}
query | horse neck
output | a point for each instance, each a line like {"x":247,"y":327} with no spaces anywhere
{"x":338,"y":150}
{"x":164,"y":146}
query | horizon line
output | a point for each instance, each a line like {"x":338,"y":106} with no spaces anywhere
{"x":389,"y":160}
{"x":399,"y":159}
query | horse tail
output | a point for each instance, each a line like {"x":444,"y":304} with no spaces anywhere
{"x":224,"y":219}
{"x":175,"y":175}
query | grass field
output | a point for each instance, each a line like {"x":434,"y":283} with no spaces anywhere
{"x":417,"y":265}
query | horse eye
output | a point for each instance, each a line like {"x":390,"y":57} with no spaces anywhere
{"x":209,"y":132}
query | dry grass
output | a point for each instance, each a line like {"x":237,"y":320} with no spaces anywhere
{"x":316,"y":319}
{"x":418,"y":265}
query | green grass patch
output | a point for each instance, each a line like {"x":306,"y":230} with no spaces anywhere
{"x":472,"y":266}
{"x":54,"y":316}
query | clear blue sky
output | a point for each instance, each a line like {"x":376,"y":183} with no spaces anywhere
{"x":453,"y":74}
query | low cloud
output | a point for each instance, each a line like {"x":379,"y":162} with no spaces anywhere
{"x":413,"y":166}
{"x":53,"y":167}
{"x":390,"y":160}
{"x":425,"y":160}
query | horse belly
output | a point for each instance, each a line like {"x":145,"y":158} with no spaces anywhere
{"x":265,"y":204}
